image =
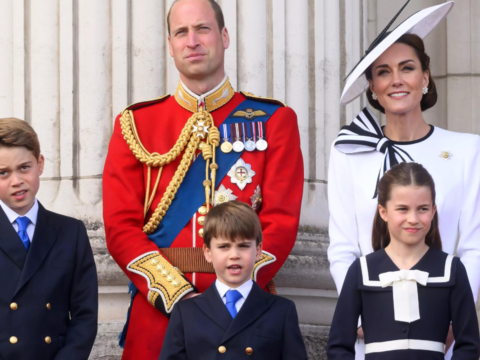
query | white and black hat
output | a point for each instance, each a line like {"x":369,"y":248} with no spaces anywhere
{"x":420,"y":23}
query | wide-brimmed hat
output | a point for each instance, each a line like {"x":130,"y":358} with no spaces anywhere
{"x":420,"y":23}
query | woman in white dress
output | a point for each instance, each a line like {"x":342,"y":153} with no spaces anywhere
{"x":400,"y":85}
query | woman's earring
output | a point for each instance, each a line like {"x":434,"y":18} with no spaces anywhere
{"x":374,"y":96}
{"x":425,"y":90}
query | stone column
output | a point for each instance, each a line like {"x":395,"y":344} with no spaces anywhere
{"x":6,"y":62}
{"x":149,"y":49}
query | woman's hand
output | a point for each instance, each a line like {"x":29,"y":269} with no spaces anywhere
{"x":449,"y":340}
{"x":362,"y":336}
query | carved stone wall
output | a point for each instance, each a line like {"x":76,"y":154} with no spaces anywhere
{"x":69,"y":66}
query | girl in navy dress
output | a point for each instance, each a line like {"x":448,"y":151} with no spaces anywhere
{"x":407,"y":292}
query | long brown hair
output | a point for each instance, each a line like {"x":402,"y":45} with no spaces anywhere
{"x":415,"y":42}
{"x":403,"y":174}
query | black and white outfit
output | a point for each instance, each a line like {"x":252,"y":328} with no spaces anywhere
{"x":405,"y":314}
{"x":452,"y":159}
{"x":362,"y":154}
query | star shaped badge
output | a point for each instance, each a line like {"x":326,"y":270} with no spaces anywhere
{"x":223,"y":195}
{"x":200,"y":129}
{"x":241,"y":174}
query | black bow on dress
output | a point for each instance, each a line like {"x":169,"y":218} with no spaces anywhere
{"x":365,"y":134}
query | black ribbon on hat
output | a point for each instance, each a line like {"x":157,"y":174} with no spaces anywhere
{"x":364,"y":134}
{"x":379,"y":38}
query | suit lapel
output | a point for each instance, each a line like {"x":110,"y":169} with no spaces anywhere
{"x":212,"y":305}
{"x":257,"y":302}
{"x":10,"y":242}
{"x":43,"y":239}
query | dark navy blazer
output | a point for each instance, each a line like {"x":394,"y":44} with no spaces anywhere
{"x":446,"y":298}
{"x":58,"y":270}
{"x":266,"y":323}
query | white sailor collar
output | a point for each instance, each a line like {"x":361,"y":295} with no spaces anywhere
{"x":440,"y":266}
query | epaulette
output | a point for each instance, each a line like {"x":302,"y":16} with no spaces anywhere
{"x":140,"y":104}
{"x":249,"y":95}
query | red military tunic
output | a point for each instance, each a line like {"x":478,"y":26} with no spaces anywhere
{"x":278,"y":176}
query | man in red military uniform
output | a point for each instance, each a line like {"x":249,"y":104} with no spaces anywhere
{"x":171,"y":159}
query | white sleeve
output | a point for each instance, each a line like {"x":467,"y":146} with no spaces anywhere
{"x":468,"y":249}
{"x":342,"y":228}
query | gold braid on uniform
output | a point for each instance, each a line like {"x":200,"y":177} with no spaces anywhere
{"x":199,"y":124}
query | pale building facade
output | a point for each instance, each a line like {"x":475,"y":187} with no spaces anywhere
{"x":70,"y":66}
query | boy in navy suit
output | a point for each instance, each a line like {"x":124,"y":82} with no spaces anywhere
{"x":234,"y":318}
{"x":48,"y":279}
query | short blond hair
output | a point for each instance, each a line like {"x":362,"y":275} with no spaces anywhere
{"x":16,"y":132}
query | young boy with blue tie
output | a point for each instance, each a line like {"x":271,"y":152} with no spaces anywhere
{"x":48,"y":279}
{"x":234,"y":317}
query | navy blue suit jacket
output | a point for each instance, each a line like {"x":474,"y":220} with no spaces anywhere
{"x":266,"y":323}
{"x":446,"y":297}
{"x":58,"y":270}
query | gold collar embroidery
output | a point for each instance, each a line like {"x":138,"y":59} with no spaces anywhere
{"x":213,"y":101}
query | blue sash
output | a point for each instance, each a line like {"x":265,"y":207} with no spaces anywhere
{"x":191,"y":194}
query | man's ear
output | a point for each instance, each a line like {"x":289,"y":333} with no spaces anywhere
{"x":258,"y":255}
{"x":225,"y":37}
{"x":207,"y":253}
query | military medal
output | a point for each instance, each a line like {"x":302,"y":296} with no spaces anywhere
{"x":238,"y":145}
{"x":223,"y":195}
{"x":226,"y":147}
{"x":256,"y":198}
{"x":261,"y":143}
{"x":241,"y":174}
{"x":249,"y":144}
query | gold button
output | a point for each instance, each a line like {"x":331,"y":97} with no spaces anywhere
{"x":200,"y":233}
{"x":13,"y":306}
{"x":170,"y":277}
{"x":49,"y":306}
{"x":13,"y":339}
{"x":222,"y":349}
{"x":202,"y":210}
{"x":48,"y":339}
{"x":165,"y":272}
{"x":176,"y":283}
{"x":154,"y":261}
{"x":201,"y":220}
{"x":201,"y":145}
{"x":249,"y":351}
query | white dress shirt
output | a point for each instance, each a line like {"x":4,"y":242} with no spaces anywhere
{"x":31,"y":214}
{"x":243,"y":289}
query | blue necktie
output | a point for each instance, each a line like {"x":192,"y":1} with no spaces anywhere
{"x":22,"y":223}
{"x":232,"y":297}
